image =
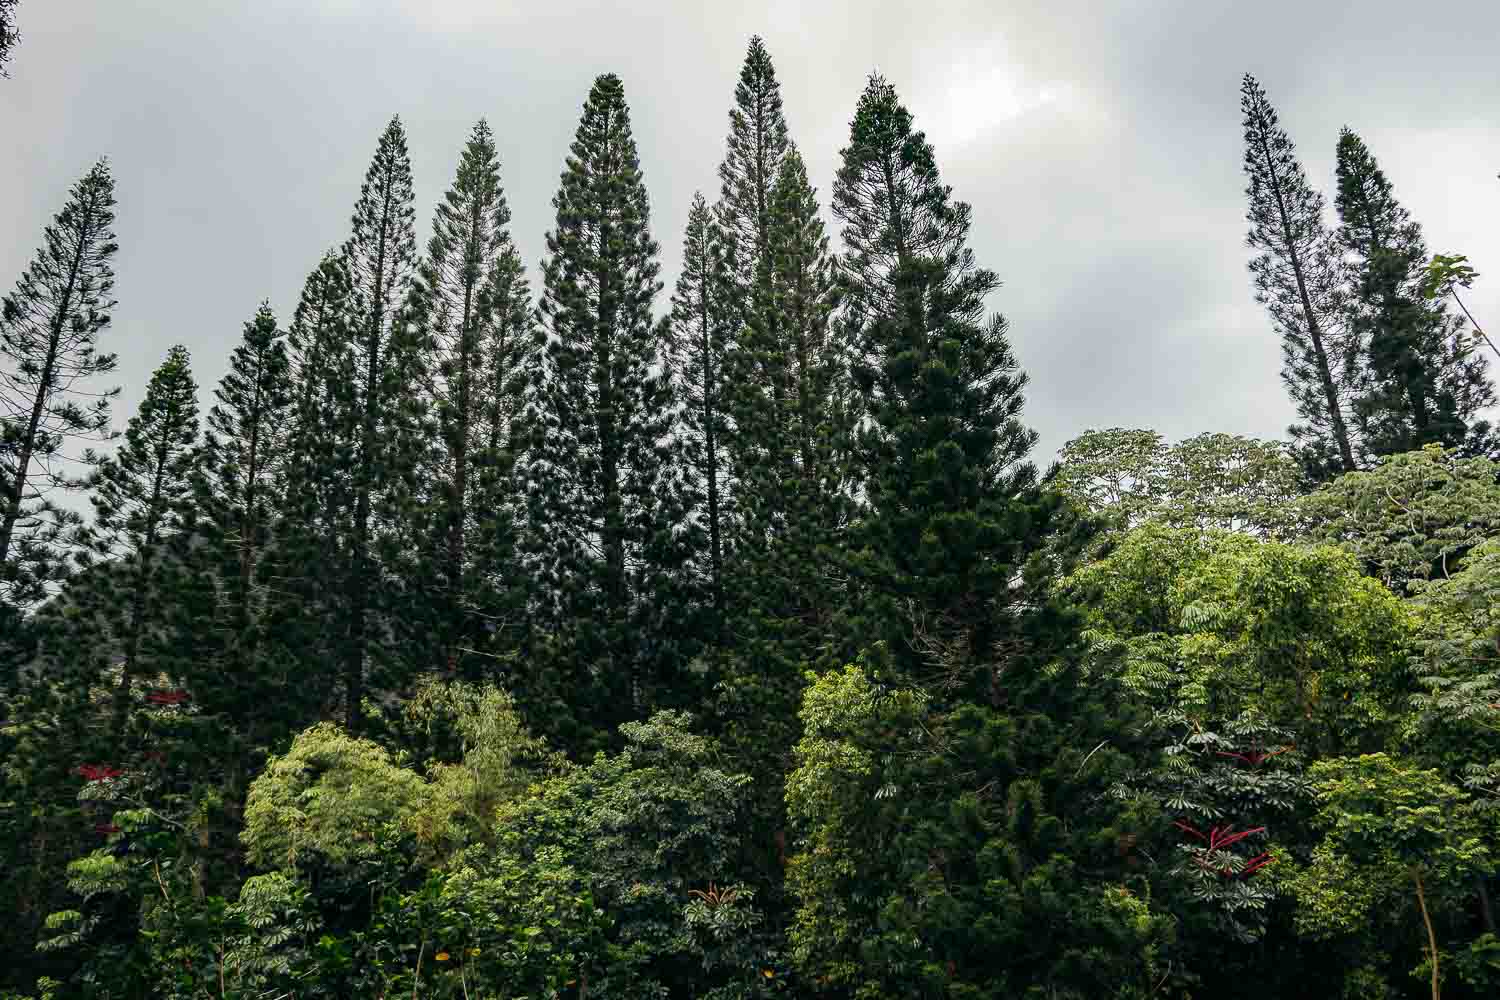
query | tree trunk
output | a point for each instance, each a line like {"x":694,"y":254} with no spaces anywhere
{"x":1314,"y":331}
{"x":1432,"y":945}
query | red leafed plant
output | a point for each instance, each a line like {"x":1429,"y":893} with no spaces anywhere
{"x":106,"y":828}
{"x":98,"y":772}
{"x":1220,"y":838}
{"x":1253,"y":757}
{"x":176,"y":697}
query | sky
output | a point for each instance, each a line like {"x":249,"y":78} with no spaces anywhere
{"x":1098,"y":143}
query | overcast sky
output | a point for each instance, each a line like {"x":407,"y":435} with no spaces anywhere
{"x":1100,"y":150}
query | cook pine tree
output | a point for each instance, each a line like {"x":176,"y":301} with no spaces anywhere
{"x":756,"y":369}
{"x":49,"y":335}
{"x":240,"y":496}
{"x":705,"y":312}
{"x":307,"y":565}
{"x":1299,"y":277}
{"x":953,"y":511}
{"x":1424,"y":383}
{"x":144,"y":498}
{"x":604,"y":467}
{"x":381,"y":260}
{"x":470,"y":304}
{"x":819,"y":415}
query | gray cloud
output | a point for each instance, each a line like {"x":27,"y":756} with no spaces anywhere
{"x":1100,"y":150}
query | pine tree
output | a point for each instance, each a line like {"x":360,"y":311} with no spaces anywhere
{"x":702,"y":324}
{"x":758,"y":142}
{"x":603,"y":465}
{"x":243,"y":445}
{"x":1424,"y":384}
{"x":1299,"y":277}
{"x":472,"y":306}
{"x":240,"y":496}
{"x":306,"y":565}
{"x":953,"y":512}
{"x":381,"y":258}
{"x":49,"y":330}
{"x":757,"y":363}
{"x":143,"y":497}
{"x":821,"y":404}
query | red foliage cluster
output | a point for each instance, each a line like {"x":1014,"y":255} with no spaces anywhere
{"x":98,"y":772}
{"x":1221,"y":837}
{"x":106,"y":828}
{"x":176,"y":697}
{"x":1253,"y":757}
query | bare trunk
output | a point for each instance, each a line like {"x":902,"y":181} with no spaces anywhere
{"x":1432,"y":945}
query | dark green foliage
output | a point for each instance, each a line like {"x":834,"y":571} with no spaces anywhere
{"x":605,"y":466}
{"x":471,"y":304}
{"x":49,"y":329}
{"x":143,"y":498}
{"x":381,"y":256}
{"x":308,"y":561}
{"x":756,"y":362}
{"x":238,"y":678}
{"x":968,"y":852}
{"x":702,"y":327}
{"x":1424,"y":382}
{"x":758,"y":142}
{"x":242,"y":451}
{"x":954,"y":512}
{"x":1299,"y":277}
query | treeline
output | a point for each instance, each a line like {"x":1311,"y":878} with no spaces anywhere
{"x":486,"y":641}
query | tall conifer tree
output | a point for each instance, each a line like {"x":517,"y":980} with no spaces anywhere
{"x":241,"y":495}
{"x":243,"y":447}
{"x":1424,"y":383}
{"x":307,"y":563}
{"x":604,"y":465}
{"x":471,"y":305}
{"x":143,"y":498}
{"x":381,"y":256}
{"x":755,"y":149}
{"x":819,"y":416}
{"x":704,"y":313}
{"x":953,"y":515}
{"x":1299,"y":276}
{"x":49,"y":329}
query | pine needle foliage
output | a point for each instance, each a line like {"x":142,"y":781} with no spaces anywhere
{"x":1299,"y":277}
{"x":953,"y":512}
{"x":605,"y":466}
{"x":1425,"y":384}
{"x":49,"y":331}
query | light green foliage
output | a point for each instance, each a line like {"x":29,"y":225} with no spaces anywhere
{"x":332,"y":793}
{"x":1399,"y":844}
{"x":1210,"y":481}
{"x":495,"y":754}
{"x":1216,"y":623}
{"x":329,"y":794}
{"x":1412,"y":517}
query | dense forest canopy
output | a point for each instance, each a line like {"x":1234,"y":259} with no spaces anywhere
{"x":502,"y":632}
